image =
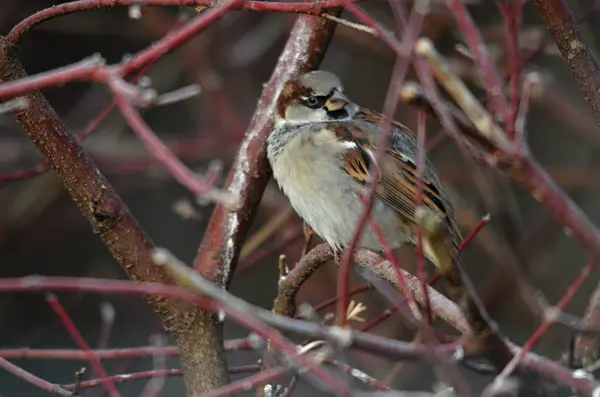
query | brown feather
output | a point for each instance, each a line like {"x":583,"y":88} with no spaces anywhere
{"x":356,"y":164}
{"x":398,"y":184}
{"x":292,"y":92}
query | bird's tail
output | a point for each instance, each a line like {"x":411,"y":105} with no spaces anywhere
{"x":438,"y":248}
{"x":441,"y":252}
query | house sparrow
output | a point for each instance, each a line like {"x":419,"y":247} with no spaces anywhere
{"x":320,"y":151}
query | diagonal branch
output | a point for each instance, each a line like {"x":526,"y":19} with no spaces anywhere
{"x":564,"y":29}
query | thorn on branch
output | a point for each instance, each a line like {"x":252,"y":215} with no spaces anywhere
{"x":283,"y":268}
{"x":532,"y":82}
{"x":137,"y":95}
{"x":285,"y":302}
{"x":179,"y":95}
{"x":480,"y":225}
{"x":78,"y":379}
{"x":14,"y":104}
{"x":352,"y":25}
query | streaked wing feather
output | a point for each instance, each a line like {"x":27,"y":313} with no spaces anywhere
{"x":356,"y":164}
{"x":398,"y":185}
{"x":356,"y":160}
{"x":400,"y":179}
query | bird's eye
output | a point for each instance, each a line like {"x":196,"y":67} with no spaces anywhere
{"x":315,"y":102}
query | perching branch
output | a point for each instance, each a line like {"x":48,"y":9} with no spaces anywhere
{"x":289,"y":285}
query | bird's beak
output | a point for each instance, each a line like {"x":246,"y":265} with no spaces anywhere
{"x":334,"y":104}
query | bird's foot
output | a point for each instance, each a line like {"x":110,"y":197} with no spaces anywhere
{"x":308,"y":234}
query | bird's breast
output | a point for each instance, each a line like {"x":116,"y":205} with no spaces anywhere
{"x":306,"y":166}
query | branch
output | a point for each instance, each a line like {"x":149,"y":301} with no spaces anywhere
{"x":285,"y":303}
{"x":85,"y":5}
{"x":440,"y":305}
{"x":98,"y":201}
{"x":452,"y":314}
{"x":125,"y":93}
{"x":479,"y":51}
{"x":34,"y":380}
{"x":26,"y":353}
{"x":564,"y":28}
{"x":241,"y":311}
{"x":81,"y":343}
{"x":236,"y":308}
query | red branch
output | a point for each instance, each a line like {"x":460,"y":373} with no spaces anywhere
{"x":34,"y":380}
{"x":154,"y":373}
{"x":71,"y":328}
{"x":188,"y":178}
{"x":107,"y":354}
{"x":86,"y":5}
{"x":219,"y":251}
{"x":199,"y":334}
{"x":512,"y":15}
{"x":479,"y":52}
{"x":93,"y":68}
{"x":125,"y":378}
{"x":550,"y":317}
{"x":85,"y":133}
{"x":363,"y":341}
{"x":562,"y":25}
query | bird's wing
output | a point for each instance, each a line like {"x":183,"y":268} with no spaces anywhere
{"x":398,"y":180}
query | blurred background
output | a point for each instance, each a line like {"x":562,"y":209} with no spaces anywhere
{"x":42,"y":231}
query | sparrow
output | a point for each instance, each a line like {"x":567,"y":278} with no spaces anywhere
{"x":322,"y":152}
